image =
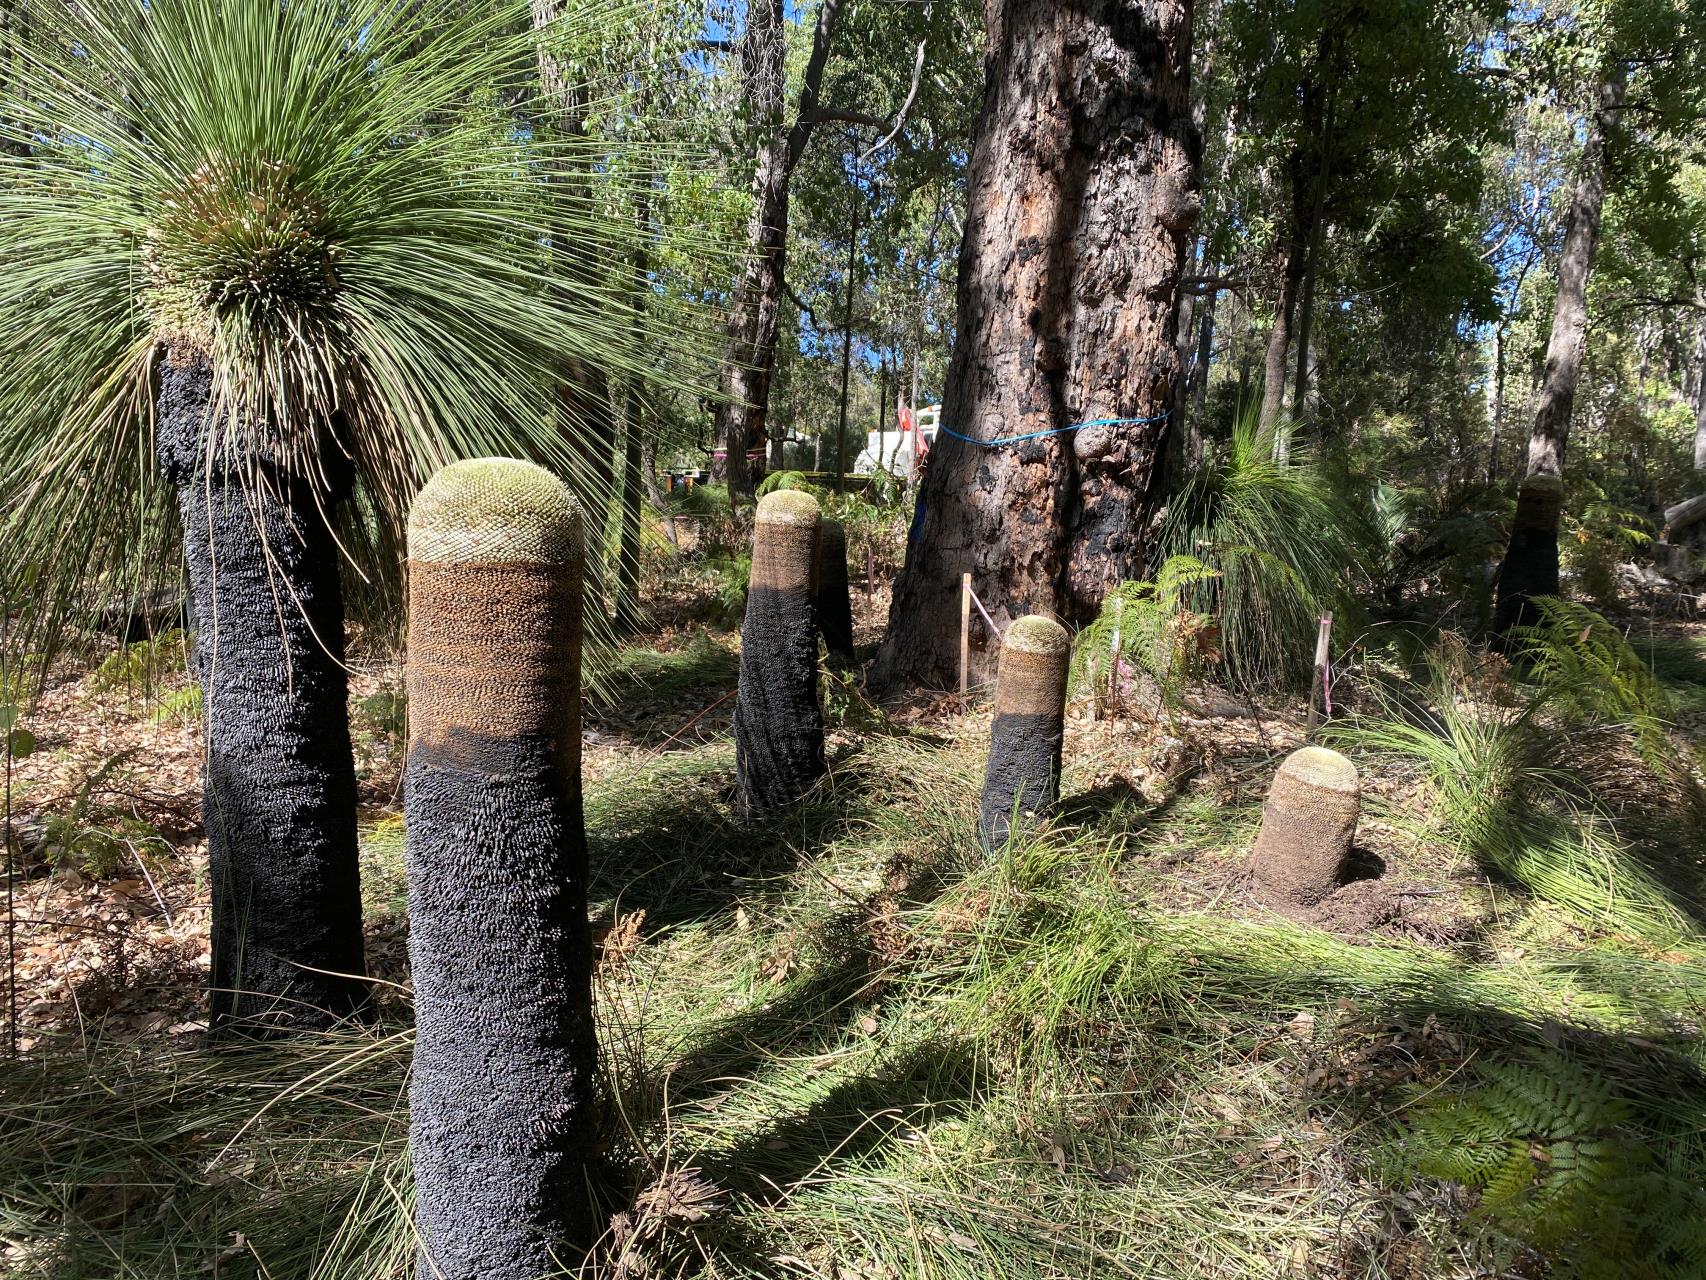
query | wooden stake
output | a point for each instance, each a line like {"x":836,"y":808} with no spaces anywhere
{"x":965,"y":630}
{"x":1318,"y":682}
{"x":870,"y":571}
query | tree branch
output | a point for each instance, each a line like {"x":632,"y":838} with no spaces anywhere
{"x":801,"y":304}
{"x":906,"y":106}
{"x":812,"y":86}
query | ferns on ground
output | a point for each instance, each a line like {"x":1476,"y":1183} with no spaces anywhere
{"x":1145,"y":625}
{"x":1604,"y":1185}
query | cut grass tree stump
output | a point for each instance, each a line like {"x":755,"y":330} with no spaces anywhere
{"x":778,"y":722}
{"x":1022,"y":778}
{"x":834,"y":605}
{"x":1308,"y":823}
{"x":501,"y":1091}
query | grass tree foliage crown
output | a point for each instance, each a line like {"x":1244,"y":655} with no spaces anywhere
{"x":342,"y":205}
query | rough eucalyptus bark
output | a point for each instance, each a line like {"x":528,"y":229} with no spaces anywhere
{"x":832,"y":601}
{"x":1082,"y":186}
{"x":1530,"y":565}
{"x":1022,"y":776}
{"x":501,"y":1092}
{"x":778,"y":722}
{"x":279,"y":796}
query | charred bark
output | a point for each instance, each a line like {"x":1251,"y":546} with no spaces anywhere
{"x":778,"y":722}
{"x":502,"y":1087}
{"x":279,"y":795}
{"x":1021,"y":780}
{"x":1530,"y":565}
{"x":832,"y":603}
{"x":1082,"y":187}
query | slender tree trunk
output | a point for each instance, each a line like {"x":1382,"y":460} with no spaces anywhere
{"x":1495,"y":402}
{"x":749,"y":356}
{"x":1530,"y":565}
{"x":1199,"y":378}
{"x":841,"y":460}
{"x":1312,"y":260}
{"x":1082,"y":188}
{"x":1279,"y":337}
{"x":1700,"y":384}
{"x":279,"y":797}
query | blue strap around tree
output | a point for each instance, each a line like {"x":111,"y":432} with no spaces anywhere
{"x":1055,"y":431}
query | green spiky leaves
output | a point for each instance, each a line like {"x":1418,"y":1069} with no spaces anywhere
{"x":360,"y":212}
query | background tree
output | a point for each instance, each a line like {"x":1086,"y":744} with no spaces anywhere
{"x":1084,"y":139}
{"x":1609,"y":59}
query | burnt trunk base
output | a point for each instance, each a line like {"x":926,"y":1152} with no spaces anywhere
{"x":1530,"y":566}
{"x":1021,"y":782}
{"x":778,"y":721}
{"x":832,"y":604}
{"x":279,"y":798}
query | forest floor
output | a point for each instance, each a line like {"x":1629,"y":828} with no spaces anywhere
{"x":847,"y":1045}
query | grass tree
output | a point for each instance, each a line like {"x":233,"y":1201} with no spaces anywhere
{"x":501,"y":1095}
{"x":267,"y":267}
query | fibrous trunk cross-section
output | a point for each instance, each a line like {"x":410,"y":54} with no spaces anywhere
{"x":1308,"y":823}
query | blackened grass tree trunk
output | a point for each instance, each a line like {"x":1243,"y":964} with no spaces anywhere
{"x":743,"y":402}
{"x":501,"y":1090}
{"x":778,"y":722}
{"x":1021,"y":780}
{"x":279,"y":799}
{"x":832,"y":602}
{"x":1530,"y":565}
{"x":1082,"y":187}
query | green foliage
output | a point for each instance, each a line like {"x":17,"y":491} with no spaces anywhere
{"x":1147,"y":625}
{"x":789,"y":480}
{"x":86,"y":837}
{"x":181,"y":704}
{"x":1564,"y":1160}
{"x":140,"y":665}
{"x":1585,"y":669}
{"x":1280,"y":546}
{"x":386,"y":710}
{"x":340,"y":206}
{"x":1507,"y":786}
{"x":1597,"y":535}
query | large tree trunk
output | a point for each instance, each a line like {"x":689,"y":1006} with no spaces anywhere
{"x":1530,"y":565}
{"x":1082,"y":186}
{"x":279,"y":801}
{"x":749,"y":356}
